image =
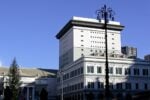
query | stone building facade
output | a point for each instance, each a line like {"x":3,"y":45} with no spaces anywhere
{"x":81,"y":74}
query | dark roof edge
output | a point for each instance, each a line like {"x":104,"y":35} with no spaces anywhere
{"x":86,"y":24}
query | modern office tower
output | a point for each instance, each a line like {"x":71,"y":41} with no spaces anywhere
{"x":130,"y":52}
{"x":81,"y":74}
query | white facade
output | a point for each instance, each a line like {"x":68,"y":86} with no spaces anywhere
{"x":88,"y":40}
{"x":79,"y":41}
{"x":124,"y":72}
{"x":82,"y":62}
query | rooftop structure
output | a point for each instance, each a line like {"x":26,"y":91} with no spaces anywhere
{"x":147,"y":57}
{"x":130,"y":52}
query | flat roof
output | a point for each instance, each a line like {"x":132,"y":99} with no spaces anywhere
{"x":89,"y":22}
{"x":94,"y":20}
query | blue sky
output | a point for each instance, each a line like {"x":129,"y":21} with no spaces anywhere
{"x":28,"y":27}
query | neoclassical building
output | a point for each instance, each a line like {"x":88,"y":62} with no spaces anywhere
{"x":81,"y":74}
{"x":33,"y":81}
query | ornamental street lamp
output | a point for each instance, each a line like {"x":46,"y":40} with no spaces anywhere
{"x":106,"y":14}
{"x":62,"y":83}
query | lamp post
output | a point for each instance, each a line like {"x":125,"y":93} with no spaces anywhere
{"x":61,"y":82}
{"x":106,"y":14}
{"x":62,"y":88}
{"x":3,"y":84}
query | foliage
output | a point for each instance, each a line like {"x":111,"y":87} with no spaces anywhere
{"x":14,"y":79}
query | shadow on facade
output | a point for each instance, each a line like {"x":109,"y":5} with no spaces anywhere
{"x":46,"y":82}
{"x":29,"y":91}
{"x":132,"y":84}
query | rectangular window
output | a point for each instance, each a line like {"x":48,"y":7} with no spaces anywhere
{"x":67,"y":76}
{"x":145,"y":86}
{"x":90,"y":85}
{"x":81,"y":70}
{"x":119,"y":86}
{"x":72,"y":88}
{"x":145,"y":72}
{"x":99,"y":69}
{"x":136,"y":85}
{"x":81,"y":85}
{"x":71,"y":74}
{"x":110,"y":70}
{"x":100,"y":85}
{"x":75,"y":72}
{"x":127,"y":71}
{"x":136,"y":71}
{"x":90,"y":69}
{"x":78,"y":86}
{"x":128,"y":86}
{"x":110,"y":86}
{"x":119,"y":71}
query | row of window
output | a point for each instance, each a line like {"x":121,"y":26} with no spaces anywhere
{"x":136,"y":71}
{"x":119,"y":86}
{"x":97,"y":42}
{"x":100,"y":51}
{"x":98,"y":37}
{"x":73,"y":87}
{"x":97,"y":46}
{"x":100,"y":85}
{"x":73,"y":73}
{"x":97,"y":32}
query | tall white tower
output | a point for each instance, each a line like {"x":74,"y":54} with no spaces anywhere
{"x":85,"y":36}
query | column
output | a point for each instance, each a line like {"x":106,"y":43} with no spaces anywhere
{"x":27,"y":93}
{"x":33,"y":92}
